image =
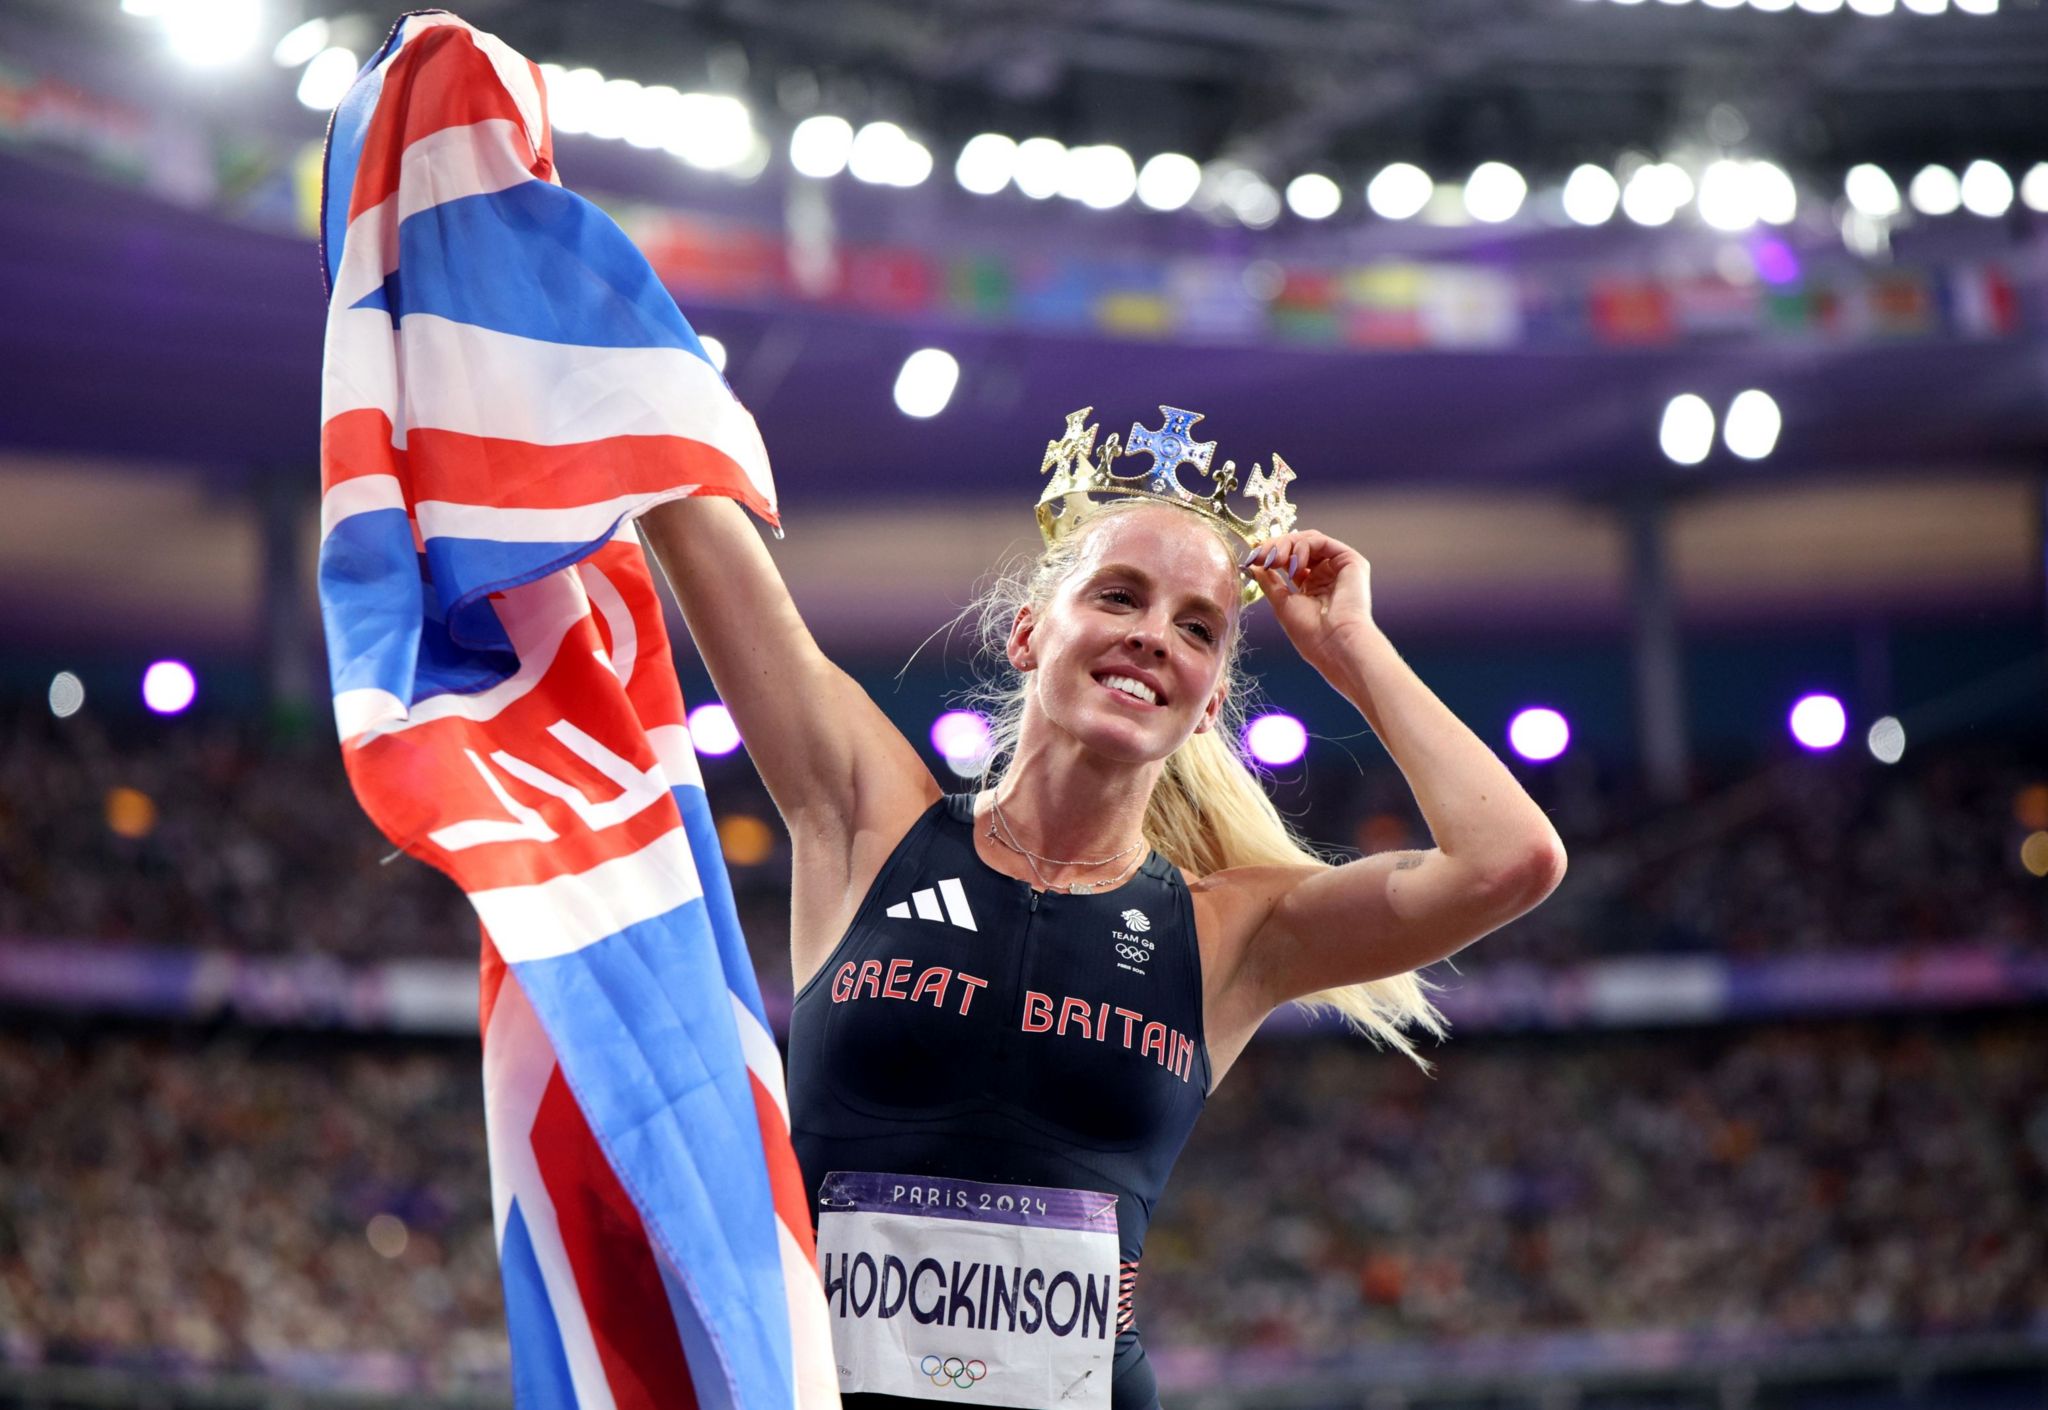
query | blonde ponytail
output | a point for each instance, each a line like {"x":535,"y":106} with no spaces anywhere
{"x":1208,"y":812}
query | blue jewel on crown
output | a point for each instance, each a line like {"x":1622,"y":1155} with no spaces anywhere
{"x":1171,"y":446}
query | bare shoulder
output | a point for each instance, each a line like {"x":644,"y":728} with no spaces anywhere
{"x":1231,"y":908}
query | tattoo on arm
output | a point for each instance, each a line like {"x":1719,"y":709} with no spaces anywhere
{"x":1408,"y":861}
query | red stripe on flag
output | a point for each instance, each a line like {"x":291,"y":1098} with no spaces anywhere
{"x":620,"y":1283}
{"x":490,"y":979}
{"x":785,"y":1177}
{"x":439,"y":79}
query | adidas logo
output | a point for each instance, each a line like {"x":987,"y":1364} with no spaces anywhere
{"x":926,"y":903}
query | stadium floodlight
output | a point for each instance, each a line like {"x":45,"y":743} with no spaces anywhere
{"x":1871,"y":191}
{"x":926,"y":383}
{"x":1820,"y":7}
{"x":1927,"y":7}
{"x":1818,"y":721}
{"x":714,"y":349}
{"x":712,"y":730}
{"x":1041,"y":167}
{"x":573,"y":98}
{"x":963,"y":739}
{"x":1686,"y":433}
{"x":1725,"y":199}
{"x":1772,"y":193}
{"x":210,"y":33}
{"x":1399,"y":191}
{"x":67,"y":695}
{"x":300,"y":43}
{"x":1169,"y":181}
{"x":327,"y":79}
{"x":1978,"y":7}
{"x":1539,"y":734}
{"x":1887,"y":740}
{"x":1770,"y":5}
{"x":1251,"y":200}
{"x":1935,"y":190}
{"x":169,"y":687}
{"x":1101,"y":177}
{"x":1655,"y":193}
{"x":1494,"y":192}
{"x":709,"y":131}
{"x":2034,"y":188}
{"x":820,"y":146}
{"x":986,"y":163}
{"x":1873,"y":7}
{"x":1276,"y":739}
{"x":1986,"y":189}
{"x":1751,"y":427}
{"x":1313,"y":196}
{"x":883,"y":154}
{"x":1591,"y":195}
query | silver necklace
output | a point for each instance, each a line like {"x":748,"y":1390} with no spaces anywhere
{"x":1032,"y":859}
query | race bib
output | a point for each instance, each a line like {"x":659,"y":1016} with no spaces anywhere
{"x":981,"y":1294}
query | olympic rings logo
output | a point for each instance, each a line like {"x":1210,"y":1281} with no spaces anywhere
{"x":1133,"y":952}
{"x":952,"y":1370}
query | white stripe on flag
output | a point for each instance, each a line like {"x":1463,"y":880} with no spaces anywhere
{"x":810,"y":1327}
{"x":358,"y":496}
{"x":955,"y":897}
{"x":542,"y":393}
{"x":763,"y":1059}
{"x":568,"y":913}
{"x":678,"y":757}
{"x":581,"y":523}
{"x":518,"y":1064}
{"x":927,"y":903}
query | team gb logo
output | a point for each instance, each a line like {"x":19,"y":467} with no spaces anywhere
{"x":1137,"y":920}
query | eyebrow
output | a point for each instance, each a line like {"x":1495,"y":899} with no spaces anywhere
{"x":1131,"y":570}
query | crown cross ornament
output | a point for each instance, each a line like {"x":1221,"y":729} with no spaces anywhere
{"x":1081,"y":475}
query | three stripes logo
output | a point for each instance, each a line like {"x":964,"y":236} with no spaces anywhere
{"x":947,"y":904}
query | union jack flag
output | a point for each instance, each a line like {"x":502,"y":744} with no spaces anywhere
{"x":506,"y":386}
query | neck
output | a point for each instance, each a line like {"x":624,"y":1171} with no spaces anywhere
{"x":1062,"y":801}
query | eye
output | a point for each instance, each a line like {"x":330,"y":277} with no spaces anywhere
{"x":1121,"y":596}
{"x":1201,"y":630}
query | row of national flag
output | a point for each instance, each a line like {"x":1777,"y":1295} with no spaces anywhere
{"x":506,"y":386}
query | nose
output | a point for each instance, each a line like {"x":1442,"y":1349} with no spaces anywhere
{"x":1146,"y":637}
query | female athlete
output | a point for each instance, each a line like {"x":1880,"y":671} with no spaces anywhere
{"x":1012,"y":1004}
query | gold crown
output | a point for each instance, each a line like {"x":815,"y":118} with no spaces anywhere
{"x":1081,"y":475}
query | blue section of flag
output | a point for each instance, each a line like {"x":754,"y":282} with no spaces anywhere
{"x":643,"y":1026}
{"x":345,"y":133}
{"x":468,"y":570}
{"x":540,"y":1363}
{"x":536,"y":261}
{"x":372,"y":602}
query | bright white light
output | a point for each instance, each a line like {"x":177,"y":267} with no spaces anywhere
{"x":1494,"y":192}
{"x":142,"y":9}
{"x":1927,"y":7}
{"x":926,"y":383}
{"x":712,"y":730}
{"x":573,"y":100}
{"x":1313,"y":196}
{"x":1934,"y":190}
{"x":1873,"y":7}
{"x":1723,"y":4}
{"x":1978,"y":7}
{"x":1590,"y":195}
{"x":1655,"y":193}
{"x":1399,"y":191}
{"x":1775,"y":197}
{"x":300,"y":43}
{"x":1252,"y":200}
{"x":1041,"y":165}
{"x":652,"y":118}
{"x":710,"y":131}
{"x":986,"y":163}
{"x":1169,"y":181}
{"x":2034,"y":187}
{"x":963,"y":740}
{"x":713,"y":349}
{"x":1871,"y":191}
{"x":883,"y":154}
{"x":327,"y":78}
{"x":1276,"y":740}
{"x":210,"y":33}
{"x":168,"y":687}
{"x":1687,"y":431}
{"x":613,"y":108}
{"x":1101,"y":177}
{"x":1819,"y":721}
{"x":1539,"y":734}
{"x":1751,"y":430}
{"x":1986,"y":189}
{"x":1820,"y":7}
{"x":1725,"y":199}
{"x":820,"y":145}
{"x":1770,"y":4}
{"x":67,"y":695}
{"x":1887,"y":740}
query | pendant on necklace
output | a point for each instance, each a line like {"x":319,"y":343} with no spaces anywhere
{"x":1081,"y":888}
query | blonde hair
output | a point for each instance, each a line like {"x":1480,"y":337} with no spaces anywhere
{"x":1208,"y":811}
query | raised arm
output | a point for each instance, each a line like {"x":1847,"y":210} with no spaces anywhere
{"x":1496,"y":855}
{"x":843,"y":777}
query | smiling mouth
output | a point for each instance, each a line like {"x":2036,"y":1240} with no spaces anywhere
{"x":1130,"y":689}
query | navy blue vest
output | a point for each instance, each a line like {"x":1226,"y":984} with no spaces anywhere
{"x":969,"y":1026}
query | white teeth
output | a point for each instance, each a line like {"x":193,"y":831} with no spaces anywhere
{"x":1131,"y":687}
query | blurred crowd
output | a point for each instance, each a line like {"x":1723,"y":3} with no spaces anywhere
{"x":320,"y":1207}
{"x":219,"y":836}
